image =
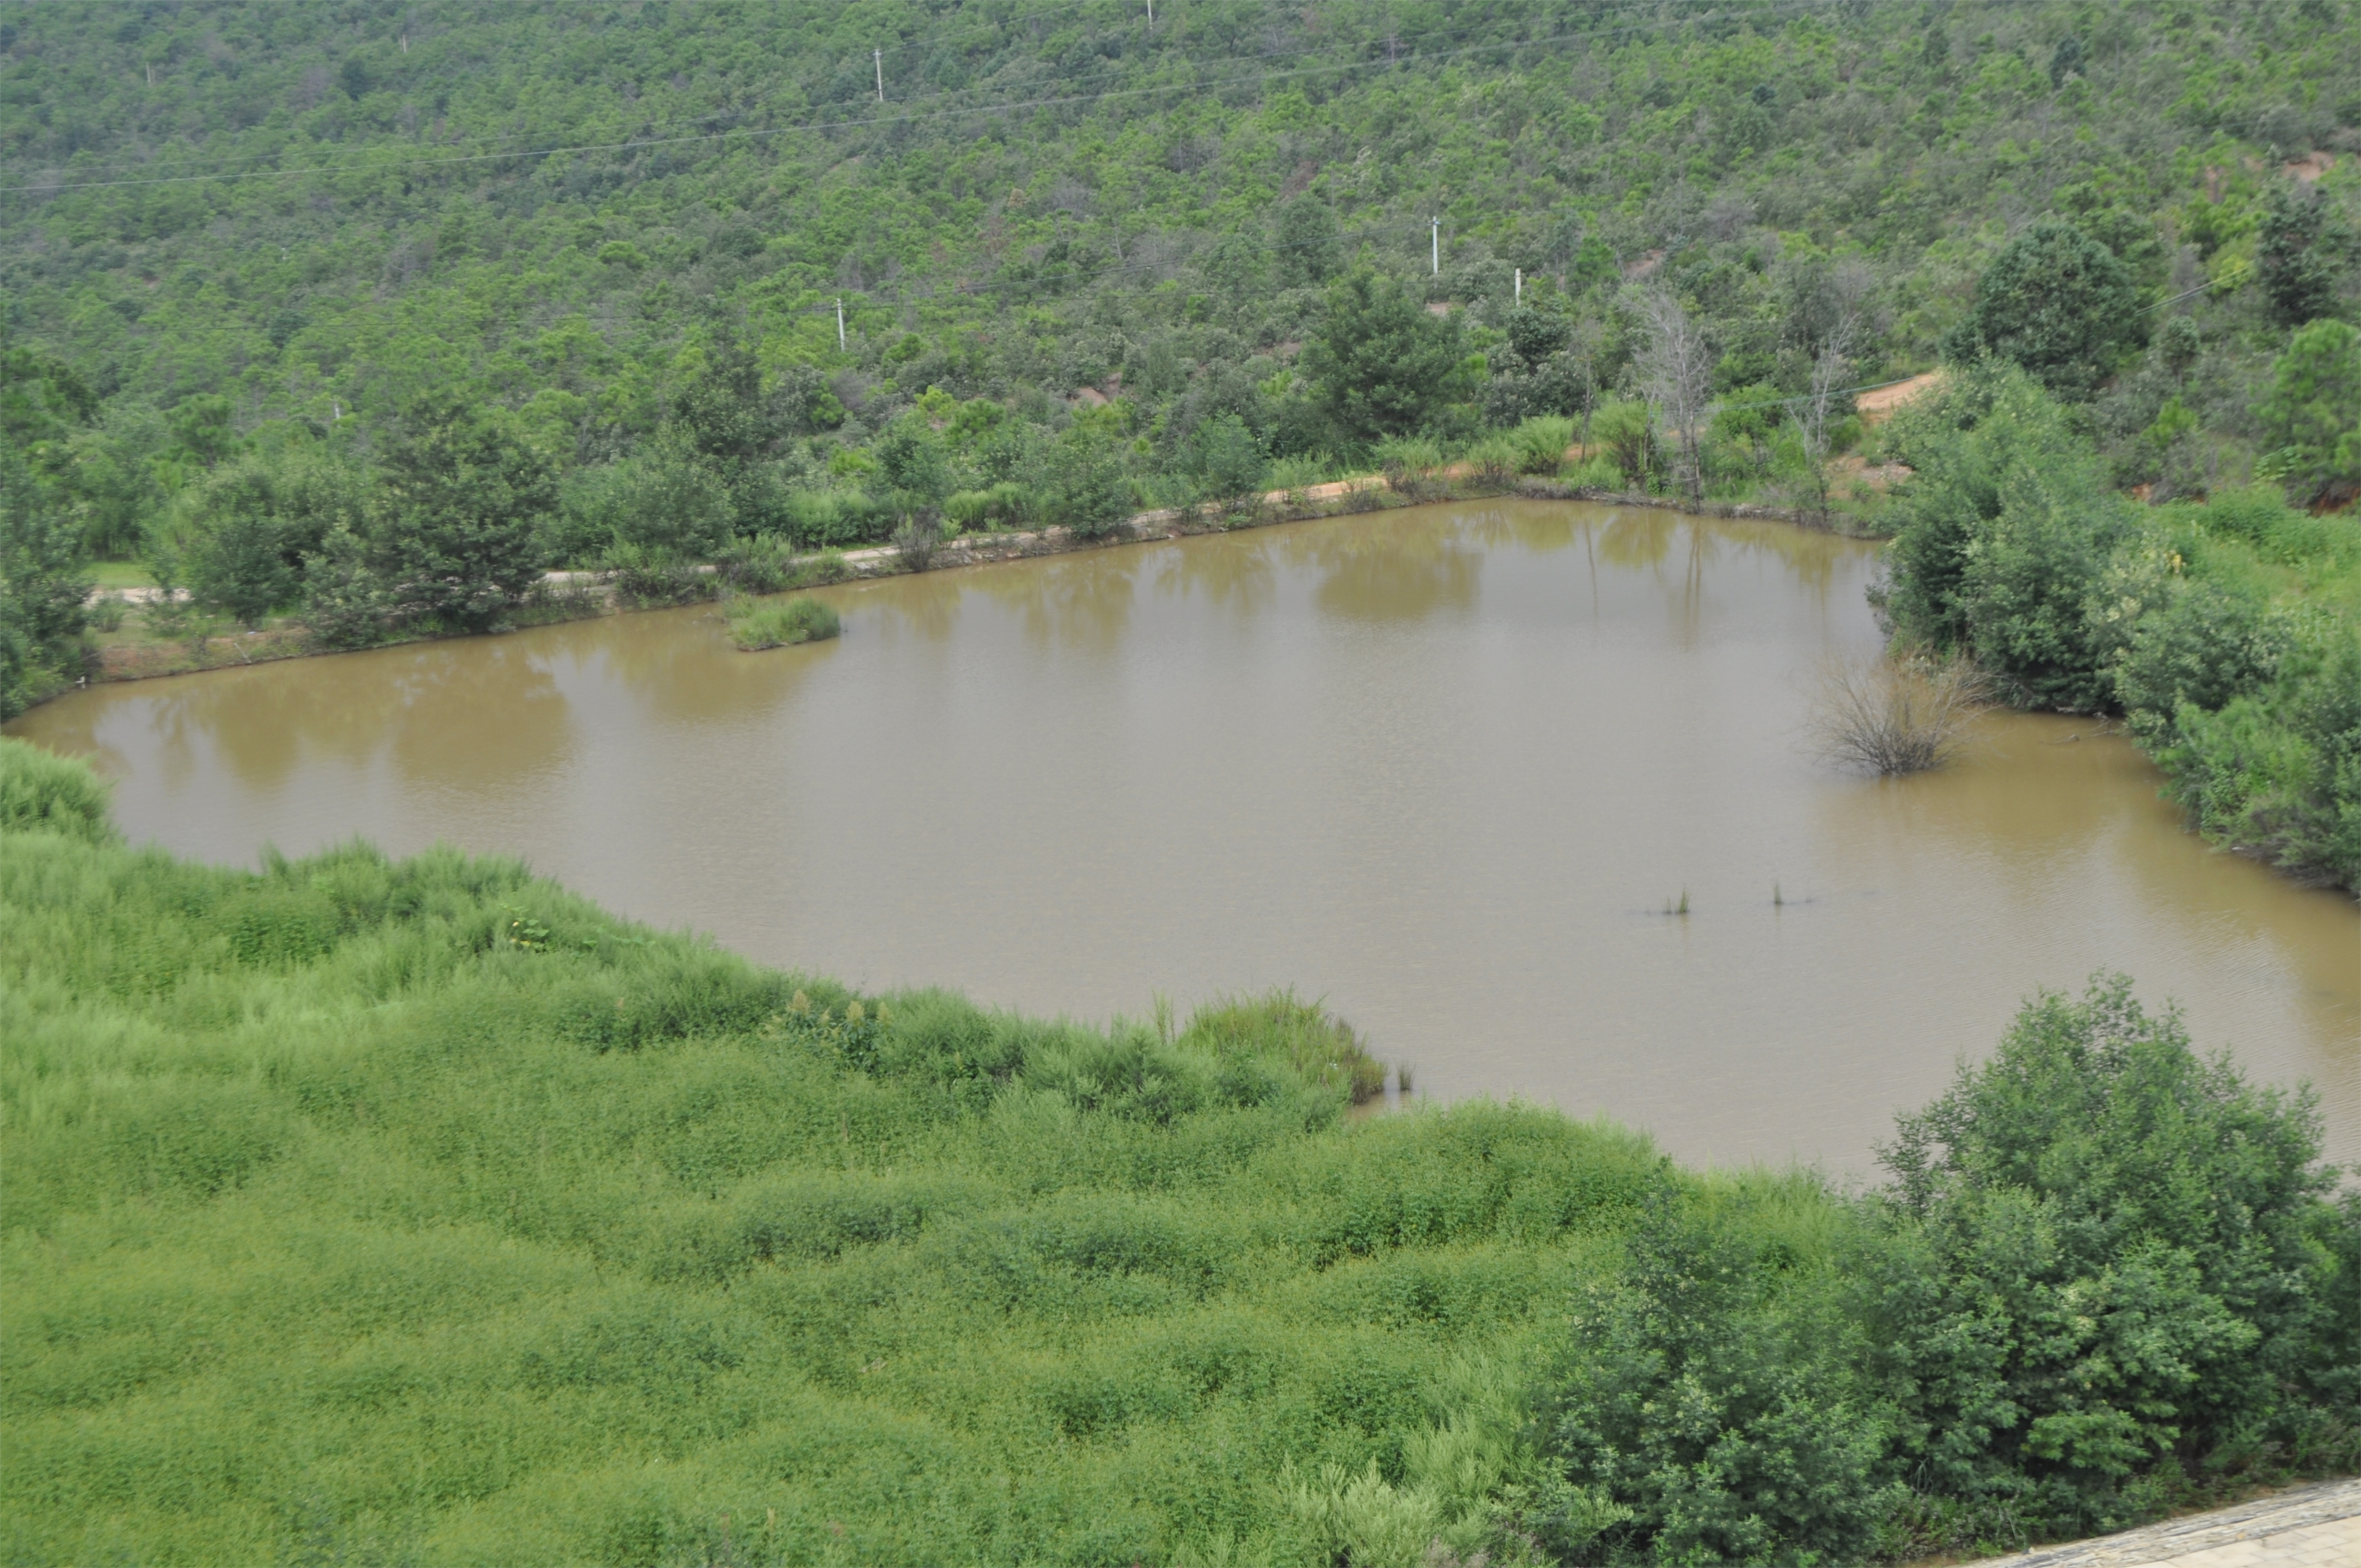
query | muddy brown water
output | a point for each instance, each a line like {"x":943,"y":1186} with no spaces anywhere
{"x":1444,"y":767}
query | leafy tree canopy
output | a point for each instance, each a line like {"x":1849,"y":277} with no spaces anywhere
{"x":2058,"y":303}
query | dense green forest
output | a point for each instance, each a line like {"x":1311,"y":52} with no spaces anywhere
{"x":363,"y":1210}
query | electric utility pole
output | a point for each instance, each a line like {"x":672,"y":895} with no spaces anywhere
{"x":839,"y":323}
{"x":1437,"y":237}
{"x":877,"y":58}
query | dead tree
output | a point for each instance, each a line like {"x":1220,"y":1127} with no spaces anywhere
{"x":1676,"y":372}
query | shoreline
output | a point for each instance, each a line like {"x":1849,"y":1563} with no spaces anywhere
{"x":583,"y":594}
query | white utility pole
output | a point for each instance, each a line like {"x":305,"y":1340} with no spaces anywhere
{"x":1151,"y":15}
{"x":1521,"y":285}
{"x":1438,"y":248}
{"x":877,"y":56}
{"x":839,"y":325}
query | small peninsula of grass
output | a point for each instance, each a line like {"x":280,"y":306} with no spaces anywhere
{"x":360,"y":1210}
{"x":757,"y":624}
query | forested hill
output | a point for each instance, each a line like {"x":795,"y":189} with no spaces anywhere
{"x":321,"y":210}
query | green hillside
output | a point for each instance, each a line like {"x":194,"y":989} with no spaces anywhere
{"x":359,"y":1211}
{"x":320,"y":211}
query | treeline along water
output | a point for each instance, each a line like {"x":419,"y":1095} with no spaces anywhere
{"x":1445,"y":767}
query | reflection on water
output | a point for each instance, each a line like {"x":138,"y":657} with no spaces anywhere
{"x":1442,"y":766}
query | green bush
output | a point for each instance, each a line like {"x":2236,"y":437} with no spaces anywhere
{"x":2057,"y":302}
{"x":779,"y":623}
{"x":459,"y":516}
{"x":45,"y":583}
{"x":2207,"y":645}
{"x":1542,"y":443}
{"x":666,"y":502}
{"x":1493,"y":463}
{"x":645,"y":576}
{"x":2311,"y":414}
{"x":1713,"y":1394}
{"x":1081,"y":485}
{"x":825,"y":519}
{"x":1622,"y":431}
{"x":42,"y":792}
{"x":1004,"y":505}
{"x":2277,"y":772}
{"x":2105,"y":1269}
{"x":252,"y":524}
{"x":2115,"y":1262}
{"x":1317,"y":1044}
{"x":1413,"y":465}
{"x":1383,"y":367}
{"x":1224,"y":461}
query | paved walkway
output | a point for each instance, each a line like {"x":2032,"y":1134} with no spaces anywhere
{"x":2310,"y":1527}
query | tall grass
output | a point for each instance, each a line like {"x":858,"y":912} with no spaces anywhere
{"x":757,"y":624}
{"x":1542,"y":443}
{"x":358,"y":1209}
{"x":1413,"y":465}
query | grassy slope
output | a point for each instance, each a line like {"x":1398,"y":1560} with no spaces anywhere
{"x":338,"y":1222}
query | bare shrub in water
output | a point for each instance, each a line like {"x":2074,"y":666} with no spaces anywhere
{"x":1892,"y":716}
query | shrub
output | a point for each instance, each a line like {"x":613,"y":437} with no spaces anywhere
{"x":2058,"y":304}
{"x":1082,"y":485}
{"x":1224,"y":460}
{"x":915,"y":539}
{"x":2311,"y":414}
{"x":819,"y":520}
{"x":647,"y":577}
{"x":2112,"y":1261}
{"x":1596,"y":474}
{"x":44,"y":585}
{"x":765,"y":564}
{"x":2004,"y":529}
{"x":1380,"y":365}
{"x":1621,"y":430}
{"x":778,"y":623}
{"x":2277,"y":772}
{"x":1897,"y":715}
{"x":254,"y":525}
{"x":1712,"y":1392}
{"x":1413,"y":465}
{"x":457,"y":533}
{"x":1314,"y":1043}
{"x":1494,"y":463}
{"x":41,"y":792}
{"x":1542,"y":443}
{"x":668,"y":500}
{"x":1003,"y":505}
{"x":2206,"y":644}
{"x":911,"y":464}
{"x":345,"y":602}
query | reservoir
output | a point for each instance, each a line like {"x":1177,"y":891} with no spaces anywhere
{"x":1445,"y":767}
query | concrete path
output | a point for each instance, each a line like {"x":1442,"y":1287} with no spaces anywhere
{"x":2309,"y":1526}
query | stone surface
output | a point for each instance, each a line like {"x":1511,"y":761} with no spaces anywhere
{"x":2317,"y":1525}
